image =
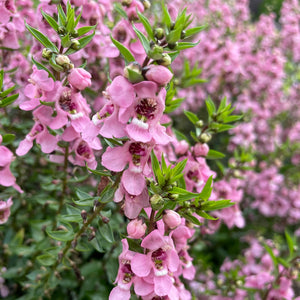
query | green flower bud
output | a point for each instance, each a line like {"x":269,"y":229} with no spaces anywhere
{"x":61,"y":30}
{"x":165,"y":60}
{"x":156,"y":52}
{"x":159,"y":33}
{"x":47,"y":53}
{"x":133,"y":72}
{"x":199,"y":124}
{"x":205,"y":137}
{"x":182,"y":36}
{"x":62,"y":60}
{"x":172,"y":45}
{"x":75,"y":44}
{"x":156,"y":202}
{"x":126,"y":2}
{"x":146,"y":4}
{"x":74,"y":33}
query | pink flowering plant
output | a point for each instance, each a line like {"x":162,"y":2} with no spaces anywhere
{"x":148,"y":151}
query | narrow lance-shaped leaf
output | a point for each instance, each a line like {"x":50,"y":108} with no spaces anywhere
{"x":41,"y":38}
{"x":143,"y":39}
{"x":147,"y":25}
{"x":42,"y":67}
{"x":50,"y":20}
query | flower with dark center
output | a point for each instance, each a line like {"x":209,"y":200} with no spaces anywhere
{"x":84,"y":150}
{"x":146,"y":108}
{"x":128,"y":274}
{"x":137,"y":150}
{"x":65,"y":102}
{"x":158,"y":257}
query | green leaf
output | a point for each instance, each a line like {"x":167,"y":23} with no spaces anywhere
{"x":42,"y":67}
{"x":77,"y":19}
{"x":174,"y":36}
{"x":178,"y":169}
{"x":70,"y":20}
{"x":46,"y":259}
{"x":62,"y":18}
{"x":70,"y":218}
{"x":156,"y":169}
{"x":7,"y":138}
{"x":99,"y":172}
{"x":215,"y":205}
{"x":62,"y":235}
{"x":186,"y":45}
{"x":106,"y":232}
{"x":50,"y":20}
{"x":65,"y":41}
{"x":191,"y":116}
{"x":192,"y":31}
{"x":289,"y":242}
{"x":191,"y":218}
{"x":207,"y":189}
{"x":41,"y":38}
{"x":173,"y":55}
{"x":213,"y":154}
{"x":147,"y":26}
{"x":8,"y":91}
{"x":143,"y":39}
{"x":204,"y":215}
{"x":8,"y":100}
{"x":134,"y":77}
{"x":134,"y":245}
{"x":230,"y":119}
{"x":107,"y":194}
{"x":183,"y":194}
{"x":166,"y":16}
{"x":210,"y":106}
{"x":118,"y":8}
{"x":85,"y":29}
{"x":1,"y":79}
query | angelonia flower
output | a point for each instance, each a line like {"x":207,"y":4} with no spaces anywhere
{"x":136,"y":229}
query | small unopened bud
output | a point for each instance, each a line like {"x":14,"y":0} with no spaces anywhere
{"x":205,"y":137}
{"x":83,"y":215}
{"x":74,"y":33}
{"x":156,"y":202}
{"x":61,"y":30}
{"x":159,"y":74}
{"x":171,"y":218}
{"x":75,"y":44}
{"x":105,"y":219}
{"x":133,"y":72}
{"x":172,"y":45}
{"x":146,"y":4}
{"x":74,"y":244}
{"x":174,"y":196}
{"x":92,"y":236}
{"x":136,"y":229}
{"x":183,"y":33}
{"x":62,"y":60}
{"x":156,"y":52}
{"x":165,"y":60}
{"x":201,"y":149}
{"x":159,"y":33}
{"x":126,"y":2}
{"x":236,"y":173}
{"x":199,"y":124}
{"x":47,"y":53}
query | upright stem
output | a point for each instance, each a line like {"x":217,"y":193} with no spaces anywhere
{"x":151,"y":221}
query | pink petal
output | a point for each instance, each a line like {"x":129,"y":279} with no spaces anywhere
{"x":121,"y":92}
{"x":173,"y":260}
{"x":112,"y":127}
{"x":138,"y":133}
{"x":189,"y":273}
{"x":141,"y":265}
{"x":162,"y":285}
{"x":24,"y":146}
{"x":115,"y":159}
{"x":146,"y":89}
{"x":133,"y":183}
{"x":30,"y":105}
{"x":6,"y":177}
{"x":153,"y":241}
{"x":117,"y":293}
{"x":70,"y":134}
{"x":141,"y":287}
{"x":47,"y":141}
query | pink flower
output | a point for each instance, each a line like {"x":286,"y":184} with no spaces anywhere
{"x":159,"y":74}
{"x":5,"y":210}
{"x":80,"y":78}
{"x":136,"y":229}
{"x":201,"y":149}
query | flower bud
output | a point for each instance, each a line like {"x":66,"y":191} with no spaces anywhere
{"x":205,"y":137}
{"x":61,"y":30}
{"x":74,"y":33}
{"x":75,"y":44}
{"x":146,"y":4}
{"x":62,"y":60}
{"x":47,"y":53}
{"x":126,"y":2}
{"x":172,"y":45}
{"x":136,"y":229}
{"x":79,"y":78}
{"x":156,"y":202}
{"x":156,"y":52}
{"x":133,"y":72}
{"x":171,"y":218}
{"x":183,"y":33}
{"x":83,"y":215}
{"x":165,"y":60}
{"x":159,"y":74}
{"x":201,"y":149}
{"x":159,"y":33}
{"x":199,"y":124}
